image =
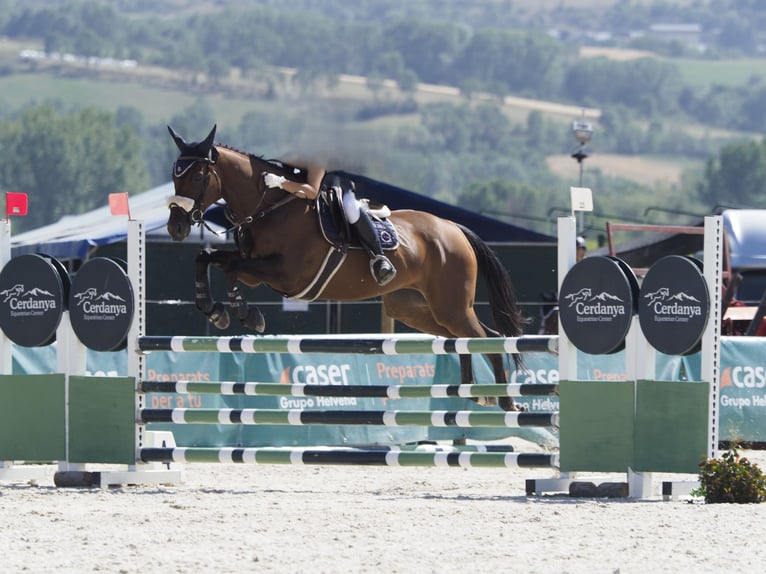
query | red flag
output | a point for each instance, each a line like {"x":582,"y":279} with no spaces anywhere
{"x":15,"y":203}
{"x":118,"y":204}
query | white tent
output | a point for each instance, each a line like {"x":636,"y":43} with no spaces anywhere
{"x":73,"y":236}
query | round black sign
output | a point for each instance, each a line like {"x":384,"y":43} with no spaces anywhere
{"x":33,"y":294}
{"x":596,"y":304}
{"x":674,"y":305}
{"x":101,"y":304}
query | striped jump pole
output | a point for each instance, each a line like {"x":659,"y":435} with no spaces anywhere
{"x":374,"y":457}
{"x":354,"y":345}
{"x":418,"y":447}
{"x":299,"y":417}
{"x":366,"y":391}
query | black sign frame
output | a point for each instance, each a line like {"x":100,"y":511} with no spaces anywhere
{"x":34,"y":293}
{"x":101,"y":304}
{"x":674,"y":305}
{"x":597,"y":303}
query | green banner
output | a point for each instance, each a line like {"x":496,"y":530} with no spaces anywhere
{"x":742,"y":392}
{"x":742,"y":397}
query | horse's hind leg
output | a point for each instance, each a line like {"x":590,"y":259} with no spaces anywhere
{"x":213,"y":310}
{"x":411,"y":308}
{"x":459,"y":318}
{"x":498,"y":368}
{"x":466,"y":378}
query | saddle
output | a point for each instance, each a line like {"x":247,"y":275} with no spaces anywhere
{"x":336,"y":229}
{"x":337,"y":233}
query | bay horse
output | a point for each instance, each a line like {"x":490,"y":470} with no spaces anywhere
{"x":280,"y":244}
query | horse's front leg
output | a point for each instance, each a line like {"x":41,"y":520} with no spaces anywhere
{"x":214,"y":311}
{"x":250,"y":316}
{"x":250,"y":272}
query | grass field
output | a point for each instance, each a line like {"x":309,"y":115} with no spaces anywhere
{"x":159,"y":104}
{"x":644,"y":170}
{"x":618,"y":54}
{"x":549,"y":5}
{"x":156,"y":104}
{"x":698,"y":73}
{"x":704,"y":73}
{"x":159,"y":94}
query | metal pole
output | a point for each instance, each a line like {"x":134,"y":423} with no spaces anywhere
{"x":580,"y":156}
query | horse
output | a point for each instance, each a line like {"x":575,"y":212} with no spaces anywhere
{"x":280,"y":244}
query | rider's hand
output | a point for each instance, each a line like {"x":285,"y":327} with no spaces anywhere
{"x":273,"y":180}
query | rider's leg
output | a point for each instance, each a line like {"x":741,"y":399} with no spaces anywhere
{"x":381,"y":268}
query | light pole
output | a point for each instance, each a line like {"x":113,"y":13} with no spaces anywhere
{"x":583,"y":132}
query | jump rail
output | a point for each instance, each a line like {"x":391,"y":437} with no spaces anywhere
{"x":374,"y":457}
{"x":299,"y":417}
{"x":350,"y":344}
{"x":367,"y":391}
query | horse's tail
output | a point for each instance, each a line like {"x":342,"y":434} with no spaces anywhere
{"x":502,"y":299}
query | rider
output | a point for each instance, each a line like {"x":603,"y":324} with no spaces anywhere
{"x":380,"y":266}
{"x":582,"y":248}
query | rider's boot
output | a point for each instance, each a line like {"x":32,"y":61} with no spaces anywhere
{"x":380,"y":267}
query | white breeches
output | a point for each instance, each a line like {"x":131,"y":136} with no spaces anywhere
{"x":351,"y":206}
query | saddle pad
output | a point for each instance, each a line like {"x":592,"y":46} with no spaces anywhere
{"x":328,"y":223}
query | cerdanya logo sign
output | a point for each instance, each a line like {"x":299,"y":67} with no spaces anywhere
{"x":673,"y":305}
{"x":33,"y":294}
{"x":101,"y":304}
{"x":597,"y":303}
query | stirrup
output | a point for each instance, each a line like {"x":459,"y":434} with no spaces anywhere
{"x":386,"y":271}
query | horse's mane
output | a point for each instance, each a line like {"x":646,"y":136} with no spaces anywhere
{"x":275,"y":163}
{"x":248,"y":154}
{"x":232,"y":148}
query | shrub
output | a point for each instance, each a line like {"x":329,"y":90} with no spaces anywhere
{"x":732,"y":478}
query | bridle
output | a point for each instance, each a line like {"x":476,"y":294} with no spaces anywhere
{"x":193,"y":207}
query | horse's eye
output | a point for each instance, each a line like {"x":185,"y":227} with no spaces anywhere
{"x":197,"y":176}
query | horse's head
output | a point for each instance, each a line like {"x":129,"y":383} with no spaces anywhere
{"x":192,"y":180}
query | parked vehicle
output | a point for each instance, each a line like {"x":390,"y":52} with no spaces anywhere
{"x":746,"y":247}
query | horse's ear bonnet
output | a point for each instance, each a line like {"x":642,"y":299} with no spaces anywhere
{"x":194,"y":149}
{"x":192,"y":152}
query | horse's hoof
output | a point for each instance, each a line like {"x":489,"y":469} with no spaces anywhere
{"x":205,"y":306}
{"x":254,"y":320}
{"x":508,"y":405}
{"x":220,"y":317}
{"x":486,"y":401}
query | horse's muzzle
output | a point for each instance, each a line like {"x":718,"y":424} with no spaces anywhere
{"x":179,"y":224}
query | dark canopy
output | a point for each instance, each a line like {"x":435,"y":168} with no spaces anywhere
{"x":489,"y":229}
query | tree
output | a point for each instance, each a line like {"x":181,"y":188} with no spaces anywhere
{"x":68,"y":163}
{"x":737,"y":175}
{"x":500,"y":198}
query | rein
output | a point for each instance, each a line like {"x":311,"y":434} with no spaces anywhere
{"x":183,"y":164}
{"x":260,"y":214}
